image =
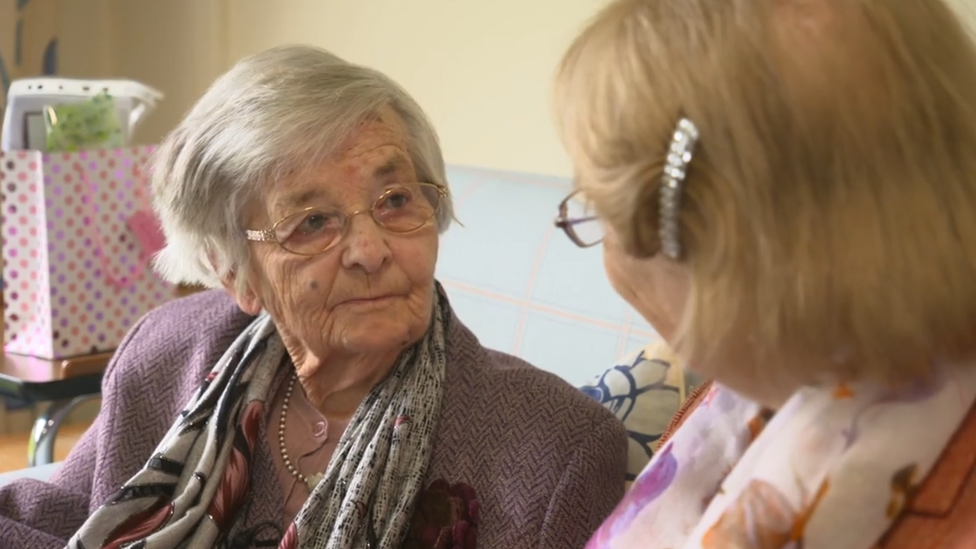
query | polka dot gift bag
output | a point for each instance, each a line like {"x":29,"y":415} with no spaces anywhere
{"x":78,"y":237}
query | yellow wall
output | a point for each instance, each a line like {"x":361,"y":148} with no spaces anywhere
{"x":173,"y":45}
{"x":482,"y":70}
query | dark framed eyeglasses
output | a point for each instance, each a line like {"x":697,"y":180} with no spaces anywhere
{"x":578,"y":220}
{"x":400,"y":210}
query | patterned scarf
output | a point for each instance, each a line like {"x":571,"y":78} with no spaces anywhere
{"x":191,"y":490}
{"x":832,"y":469}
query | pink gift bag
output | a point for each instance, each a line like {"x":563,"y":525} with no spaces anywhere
{"x":78,"y":236}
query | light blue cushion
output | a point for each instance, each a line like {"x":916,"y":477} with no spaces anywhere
{"x":522,"y":286}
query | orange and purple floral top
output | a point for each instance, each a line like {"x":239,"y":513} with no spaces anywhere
{"x":848,"y":467}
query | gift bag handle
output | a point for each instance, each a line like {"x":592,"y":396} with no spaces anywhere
{"x":119,"y":281}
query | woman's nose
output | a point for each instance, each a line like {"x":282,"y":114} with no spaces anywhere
{"x":366,"y":245}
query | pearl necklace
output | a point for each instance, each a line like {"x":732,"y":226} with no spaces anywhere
{"x":315,"y":479}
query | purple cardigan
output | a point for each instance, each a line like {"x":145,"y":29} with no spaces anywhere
{"x":547,"y":462}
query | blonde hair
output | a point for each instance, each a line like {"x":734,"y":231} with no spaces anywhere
{"x":829,"y":213}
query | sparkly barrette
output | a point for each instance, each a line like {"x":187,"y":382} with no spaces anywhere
{"x":679,"y":155}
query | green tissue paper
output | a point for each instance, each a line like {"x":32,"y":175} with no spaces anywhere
{"x":90,"y":124}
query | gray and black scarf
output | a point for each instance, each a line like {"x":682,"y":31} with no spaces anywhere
{"x":190,"y":491}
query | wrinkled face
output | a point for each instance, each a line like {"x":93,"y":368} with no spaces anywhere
{"x":370,"y":293}
{"x":656,"y":287}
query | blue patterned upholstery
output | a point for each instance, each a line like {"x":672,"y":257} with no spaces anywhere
{"x":644,"y":390}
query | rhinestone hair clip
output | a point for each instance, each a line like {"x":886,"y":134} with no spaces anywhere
{"x":679,"y":155}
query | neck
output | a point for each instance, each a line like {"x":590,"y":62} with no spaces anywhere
{"x":336,"y":385}
{"x":759,"y":384}
{"x":739,"y":367}
{"x":765,"y":394}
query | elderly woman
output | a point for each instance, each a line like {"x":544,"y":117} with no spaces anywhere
{"x":788,"y":190}
{"x":329,"y":397}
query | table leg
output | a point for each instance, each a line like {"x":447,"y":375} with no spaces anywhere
{"x":40,"y":449}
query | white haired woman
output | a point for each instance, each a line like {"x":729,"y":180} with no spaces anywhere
{"x":327,"y":397}
{"x":788,"y":188}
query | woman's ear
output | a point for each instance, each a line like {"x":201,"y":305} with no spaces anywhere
{"x":247,"y":298}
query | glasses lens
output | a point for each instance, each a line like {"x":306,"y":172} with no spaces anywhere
{"x":407,"y":208}
{"x":309,"y":231}
{"x":582,"y":221}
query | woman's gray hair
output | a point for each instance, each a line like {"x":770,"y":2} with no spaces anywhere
{"x":273,"y":114}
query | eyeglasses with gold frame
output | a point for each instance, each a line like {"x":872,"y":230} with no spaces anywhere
{"x":400,"y":210}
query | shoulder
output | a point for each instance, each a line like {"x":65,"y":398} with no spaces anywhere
{"x":547,"y":461}
{"x":198,"y":318}
{"x":165,"y":355}
{"x":517,"y":381}
{"x":941,"y":512}
{"x":528,"y":402}
{"x":155,"y":371}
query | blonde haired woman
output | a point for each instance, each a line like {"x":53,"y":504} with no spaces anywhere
{"x":788,"y":191}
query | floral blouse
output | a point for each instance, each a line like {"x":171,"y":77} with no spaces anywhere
{"x":831,"y":469}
